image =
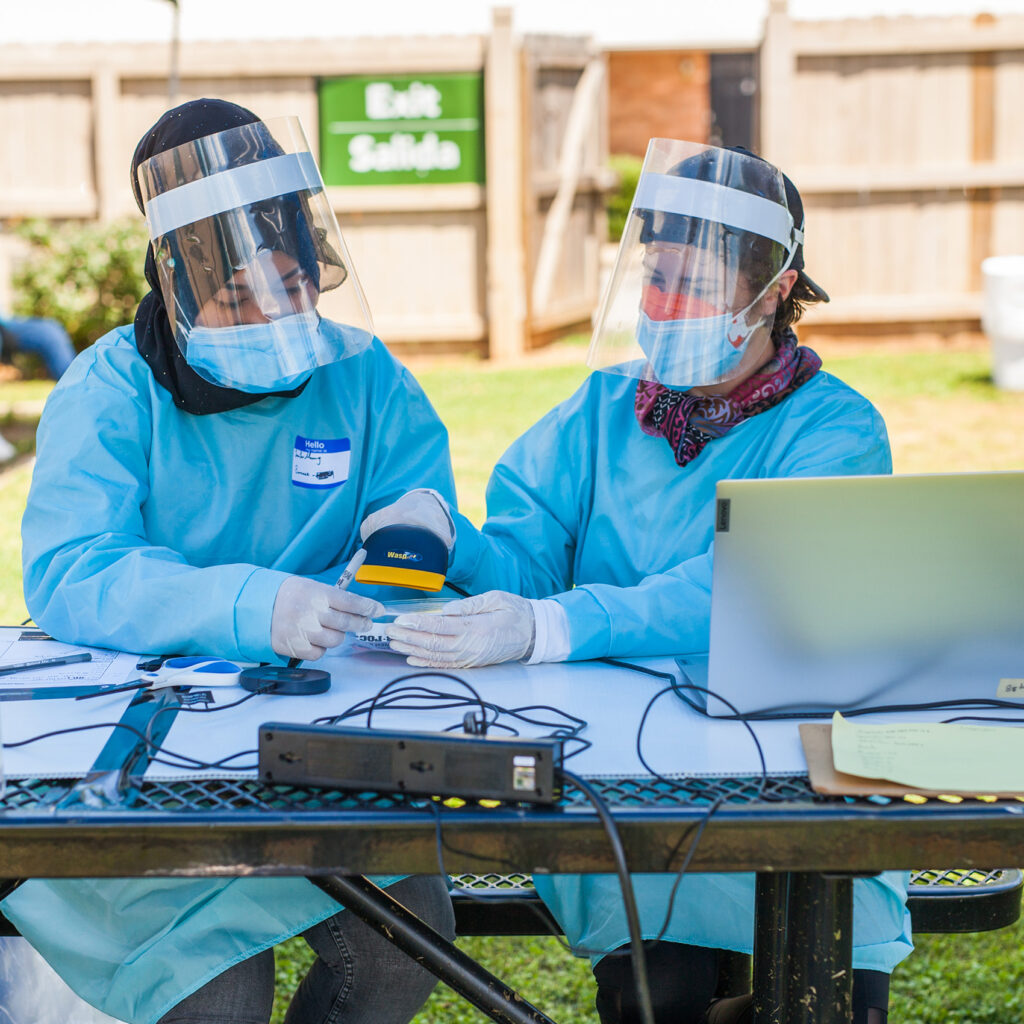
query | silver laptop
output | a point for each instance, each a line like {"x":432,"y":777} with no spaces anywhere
{"x":844,"y":592}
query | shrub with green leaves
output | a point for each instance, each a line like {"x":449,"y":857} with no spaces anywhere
{"x":89,"y":277}
{"x":627,"y":167}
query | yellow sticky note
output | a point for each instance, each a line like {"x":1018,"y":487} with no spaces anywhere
{"x":947,"y":757}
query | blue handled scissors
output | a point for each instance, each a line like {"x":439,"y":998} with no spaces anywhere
{"x":194,"y":670}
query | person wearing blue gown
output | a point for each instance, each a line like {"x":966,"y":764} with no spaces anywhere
{"x":200,"y":482}
{"x":600,"y":523}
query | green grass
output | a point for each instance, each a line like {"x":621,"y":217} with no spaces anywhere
{"x":961,"y":979}
{"x":486,"y":410}
{"x":943,"y":414}
{"x":881,"y":375}
{"x":13,"y":491}
{"x":24,"y":391}
{"x":966,"y":979}
{"x":548,"y":977}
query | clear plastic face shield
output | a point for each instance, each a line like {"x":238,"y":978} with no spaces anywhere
{"x":695,"y":281}
{"x":245,"y":242}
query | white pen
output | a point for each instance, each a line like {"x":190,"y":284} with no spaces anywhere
{"x":350,"y":570}
{"x":343,"y":581}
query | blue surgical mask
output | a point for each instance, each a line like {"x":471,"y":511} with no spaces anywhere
{"x":694,"y":352}
{"x":700,"y":351}
{"x":274,"y":356}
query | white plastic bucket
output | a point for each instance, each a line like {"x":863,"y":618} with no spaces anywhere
{"x":1002,"y":318}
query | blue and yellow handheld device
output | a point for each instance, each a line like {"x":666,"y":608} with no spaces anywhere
{"x":404,"y":556}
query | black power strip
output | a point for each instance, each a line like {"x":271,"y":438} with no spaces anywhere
{"x":506,"y":768}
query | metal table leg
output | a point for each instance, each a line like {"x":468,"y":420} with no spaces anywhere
{"x":769,"y":975}
{"x":803,"y":947}
{"x":462,"y":973}
{"x":819,"y":949}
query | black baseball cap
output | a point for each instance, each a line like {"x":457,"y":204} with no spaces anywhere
{"x":795,"y":206}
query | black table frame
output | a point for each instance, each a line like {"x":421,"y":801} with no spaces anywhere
{"x":804,"y":848}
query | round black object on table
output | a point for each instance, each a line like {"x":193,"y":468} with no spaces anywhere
{"x":285,"y":682}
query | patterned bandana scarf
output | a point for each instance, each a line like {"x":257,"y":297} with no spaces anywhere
{"x":688,"y":422}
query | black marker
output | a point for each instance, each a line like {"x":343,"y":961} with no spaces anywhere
{"x":27,"y":666}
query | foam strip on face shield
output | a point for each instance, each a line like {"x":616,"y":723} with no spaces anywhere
{"x":230,"y":189}
{"x":689,"y":197}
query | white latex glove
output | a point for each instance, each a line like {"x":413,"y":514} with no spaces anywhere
{"x":310,"y":617}
{"x":482,"y":630}
{"x":422,"y":507}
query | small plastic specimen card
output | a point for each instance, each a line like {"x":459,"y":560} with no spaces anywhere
{"x":949,"y":757}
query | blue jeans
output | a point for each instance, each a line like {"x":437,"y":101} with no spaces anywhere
{"x":43,"y":338}
{"x":358,"y":977}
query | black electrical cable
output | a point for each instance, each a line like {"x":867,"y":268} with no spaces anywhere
{"x":699,"y":827}
{"x":196,"y":764}
{"x":957,"y":704}
{"x":184,"y":762}
{"x":674,"y":686}
{"x":442,"y":844}
{"x":211,"y":765}
{"x":637,"y":952}
{"x":962,"y":703}
{"x":151,"y":744}
{"x":579,"y":725}
{"x":423,"y":698}
{"x":419,"y":675}
{"x":565,"y":729}
{"x":204,"y":711}
{"x":981,"y":718}
{"x":400,"y":700}
{"x":636,"y":947}
{"x":75,"y":728}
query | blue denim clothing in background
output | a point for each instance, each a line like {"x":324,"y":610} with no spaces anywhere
{"x":43,"y":338}
{"x":344,"y":982}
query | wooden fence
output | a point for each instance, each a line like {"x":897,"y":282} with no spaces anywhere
{"x":492,"y":266}
{"x":904,"y":137}
{"x":901,"y":134}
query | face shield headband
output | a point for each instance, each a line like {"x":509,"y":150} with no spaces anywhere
{"x":230,"y":189}
{"x":207,"y":230}
{"x":688,"y":341}
{"x":695,"y":265}
{"x":243,"y":251}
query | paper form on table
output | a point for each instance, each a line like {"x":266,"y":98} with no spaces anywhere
{"x":950,"y":757}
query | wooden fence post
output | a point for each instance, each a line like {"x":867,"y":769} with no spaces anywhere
{"x":110,"y":170}
{"x":778,"y":64}
{"x":581,"y":113}
{"x":506,"y":257}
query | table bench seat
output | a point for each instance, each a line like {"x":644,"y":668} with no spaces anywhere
{"x":940,"y":900}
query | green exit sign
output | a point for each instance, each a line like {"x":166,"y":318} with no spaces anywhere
{"x":402,"y":129}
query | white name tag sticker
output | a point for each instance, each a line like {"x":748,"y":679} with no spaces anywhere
{"x":320,"y":463}
{"x":1012,"y":689}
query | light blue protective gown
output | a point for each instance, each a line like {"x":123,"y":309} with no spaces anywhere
{"x":152,"y":530}
{"x":589,"y":510}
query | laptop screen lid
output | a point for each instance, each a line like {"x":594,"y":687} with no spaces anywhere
{"x":833,"y":593}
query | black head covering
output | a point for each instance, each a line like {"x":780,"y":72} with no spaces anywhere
{"x":153,"y":335}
